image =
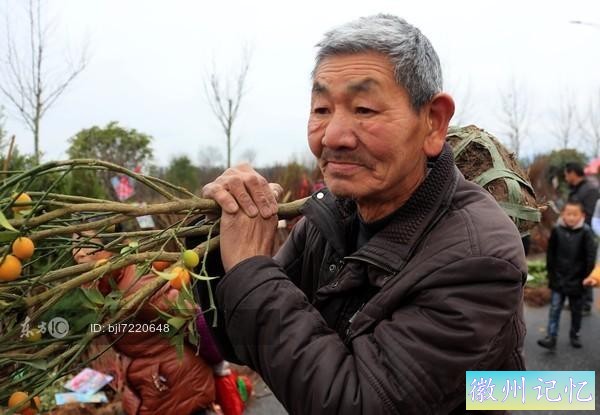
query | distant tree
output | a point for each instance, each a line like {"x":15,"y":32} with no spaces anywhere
{"x":464,"y":111}
{"x":248,"y":156}
{"x":125,"y":147}
{"x":2,"y":130}
{"x":515,"y":115}
{"x":225,"y":99}
{"x":589,"y":124}
{"x":29,"y":79}
{"x":182,"y":172}
{"x":17,"y":161}
{"x":210,"y":156}
{"x":565,"y":119}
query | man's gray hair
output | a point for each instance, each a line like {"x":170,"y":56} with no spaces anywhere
{"x":416,"y":65}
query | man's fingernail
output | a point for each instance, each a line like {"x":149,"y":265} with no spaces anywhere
{"x":231,"y":207}
{"x":252,"y":210}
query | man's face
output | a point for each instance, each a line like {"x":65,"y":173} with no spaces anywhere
{"x":362,"y":128}
{"x":571,"y":178}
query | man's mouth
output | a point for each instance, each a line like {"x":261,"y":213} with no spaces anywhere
{"x":341,"y":167}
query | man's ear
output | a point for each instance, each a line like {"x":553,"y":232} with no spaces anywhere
{"x":438,"y":114}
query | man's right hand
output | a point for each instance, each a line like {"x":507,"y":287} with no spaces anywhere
{"x":242,"y":187}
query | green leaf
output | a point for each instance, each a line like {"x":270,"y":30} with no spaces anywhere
{"x":112,"y":304}
{"x":38,"y":364}
{"x":202,"y":277}
{"x":193,"y":335}
{"x":5,"y":224}
{"x":163,"y":314}
{"x":176,"y":322}
{"x":8,"y":236}
{"x":94,"y":295}
{"x":164,"y":275}
{"x":178,"y":342}
{"x":131,"y":247}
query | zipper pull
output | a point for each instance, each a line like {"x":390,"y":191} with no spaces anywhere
{"x":348,"y":330}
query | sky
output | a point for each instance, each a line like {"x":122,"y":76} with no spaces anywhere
{"x":148,"y":61}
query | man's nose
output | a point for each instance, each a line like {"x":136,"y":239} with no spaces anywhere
{"x":340,"y":132}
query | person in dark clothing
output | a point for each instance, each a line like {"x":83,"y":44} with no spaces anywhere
{"x":584,"y":191}
{"x":570,"y":259}
{"x":401,"y":275}
{"x":581,"y":189}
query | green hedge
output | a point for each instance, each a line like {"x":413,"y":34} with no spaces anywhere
{"x":538,"y":275}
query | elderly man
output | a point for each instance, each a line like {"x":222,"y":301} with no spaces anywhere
{"x":401,"y":275}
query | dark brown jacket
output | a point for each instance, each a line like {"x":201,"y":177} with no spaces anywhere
{"x":392,"y":327}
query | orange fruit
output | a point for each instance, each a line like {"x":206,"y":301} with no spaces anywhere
{"x":23,"y":248}
{"x":23,"y":197}
{"x":18,"y":397}
{"x":161,"y":265}
{"x":182,"y":277}
{"x":190,"y":259}
{"x":10,"y":268}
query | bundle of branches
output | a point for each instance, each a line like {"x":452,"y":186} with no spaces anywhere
{"x":483,"y":159}
{"x":40,"y":233}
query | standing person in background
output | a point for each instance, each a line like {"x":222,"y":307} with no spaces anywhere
{"x":587,"y":194}
{"x":570,"y":258}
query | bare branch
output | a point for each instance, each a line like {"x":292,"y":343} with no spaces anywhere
{"x":589,"y":124}
{"x":564,"y":120}
{"x":225,"y":101}
{"x":515,"y":114}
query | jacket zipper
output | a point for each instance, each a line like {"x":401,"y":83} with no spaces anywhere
{"x":349,"y":330}
{"x":389,"y":271}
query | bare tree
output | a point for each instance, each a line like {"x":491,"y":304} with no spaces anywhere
{"x":589,"y":124}
{"x":515,"y":115}
{"x":462,"y":94}
{"x":248,"y":156}
{"x":26,"y":80}
{"x":225,"y":98}
{"x":564,"y":120}
{"x":209,"y":156}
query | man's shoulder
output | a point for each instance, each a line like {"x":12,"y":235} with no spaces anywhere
{"x":480,"y":220}
{"x":585,"y":188}
{"x":482,"y":209}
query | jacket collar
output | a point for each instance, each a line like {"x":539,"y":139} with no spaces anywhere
{"x":392,"y":246}
{"x":578,"y":225}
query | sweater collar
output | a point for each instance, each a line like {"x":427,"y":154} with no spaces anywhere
{"x":578,"y":225}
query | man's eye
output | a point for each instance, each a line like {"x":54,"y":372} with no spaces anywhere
{"x":321,"y":110}
{"x":364,"y":110}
